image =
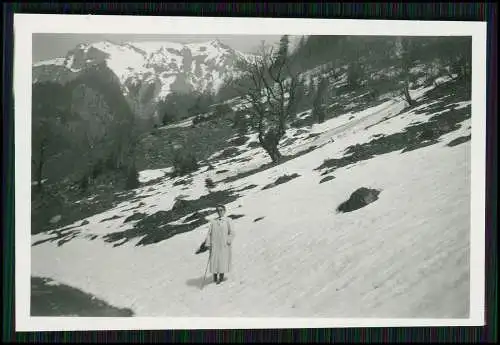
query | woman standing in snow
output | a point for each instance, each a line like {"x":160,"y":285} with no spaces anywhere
{"x":218,"y":240}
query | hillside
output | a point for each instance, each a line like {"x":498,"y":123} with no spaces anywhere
{"x":65,"y":182}
{"x":405,"y":254}
{"x":364,"y":212}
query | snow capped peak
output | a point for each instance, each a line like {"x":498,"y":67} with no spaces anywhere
{"x":151,"y":47}
{"x":154,"y":68}
{"x":106,"y":45}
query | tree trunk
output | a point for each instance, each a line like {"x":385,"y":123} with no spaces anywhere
{"x":274,"y":153}
{"x":271,"y":147}
{"x":39,"y":170}
{"x":39,"y":175}
{"x":406,"y":93}
{"x":321,"y":115}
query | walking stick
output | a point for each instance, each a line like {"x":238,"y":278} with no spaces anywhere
{"x":206,"y":269}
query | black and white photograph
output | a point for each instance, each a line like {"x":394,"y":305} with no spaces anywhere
{"x":194,"y":171}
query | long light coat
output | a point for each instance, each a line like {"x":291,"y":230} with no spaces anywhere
{"x":219,"y":239}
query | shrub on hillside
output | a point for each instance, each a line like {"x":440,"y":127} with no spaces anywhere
{"x":97,"y":169}
{"x":238,"y":141}
{"x":209,"y":183}
{"x":229,"y":152}
{"x":168,"y":118}
{"x":240,"y":123}
{"x":222,"y":110}
{"x":354,"y":75}
{"x":132,"y":180}
{"x":200,"y":119}
{"x":154,"y":131}
{"x":184,"y":162}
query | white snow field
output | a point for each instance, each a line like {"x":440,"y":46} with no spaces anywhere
{"x":405,"y":255}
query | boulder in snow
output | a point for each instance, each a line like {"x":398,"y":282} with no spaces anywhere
{"x":359,"y":198}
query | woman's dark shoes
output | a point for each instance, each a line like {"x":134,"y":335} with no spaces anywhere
{"x":218,"y":278}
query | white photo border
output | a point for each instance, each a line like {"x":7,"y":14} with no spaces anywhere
{"x":25,"y":25}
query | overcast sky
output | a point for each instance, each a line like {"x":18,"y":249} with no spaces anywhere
{"x":49,"y":46}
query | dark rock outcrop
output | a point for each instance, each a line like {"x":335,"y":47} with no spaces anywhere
{"x":359,"y":198}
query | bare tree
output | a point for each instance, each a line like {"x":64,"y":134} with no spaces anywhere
{"x":318,"y":110}
{"x":269,"y":87}
{"x":404,"y":52}
{"x":112,"y":148}
{"x":454,"y":54}
{"x":41,"y":139}
{"x":87,"y":144}
{"x":48,"y":135}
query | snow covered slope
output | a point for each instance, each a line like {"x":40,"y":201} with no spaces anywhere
{"x":404,"y":255}
{"x":165,"y":66}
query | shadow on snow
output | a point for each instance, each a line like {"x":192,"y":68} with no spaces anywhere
{"x":63,"y":300}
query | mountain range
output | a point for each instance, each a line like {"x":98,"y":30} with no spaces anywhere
{"x":148,"y":71}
